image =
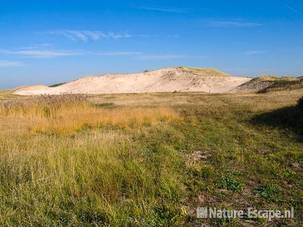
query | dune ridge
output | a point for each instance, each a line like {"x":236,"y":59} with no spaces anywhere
{"x":180,"y":79}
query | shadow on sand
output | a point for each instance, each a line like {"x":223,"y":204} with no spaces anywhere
{"x":285,"y":118}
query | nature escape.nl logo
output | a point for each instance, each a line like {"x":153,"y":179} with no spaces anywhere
{"x":250,"y":213}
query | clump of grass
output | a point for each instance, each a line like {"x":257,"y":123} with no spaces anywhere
{"x":268,"y":192}
{"x":229,"y":182}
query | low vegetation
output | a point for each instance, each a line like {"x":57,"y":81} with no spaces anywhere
{"x":280,"y":83}
{"x":277,"y":78}
{"x":56,"y":85}
{"x":267,"y":83}
{"x":203,"y":71}
{"x":146,"y":160}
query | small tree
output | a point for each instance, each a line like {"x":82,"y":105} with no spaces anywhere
{"x":300,"y":103}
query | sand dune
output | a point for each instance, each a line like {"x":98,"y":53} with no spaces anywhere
{"x":179,"y":79}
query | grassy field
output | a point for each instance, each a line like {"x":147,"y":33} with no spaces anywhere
{"x":149,"y":159}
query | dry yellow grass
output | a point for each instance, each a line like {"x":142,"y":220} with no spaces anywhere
{"x":67,"y":114}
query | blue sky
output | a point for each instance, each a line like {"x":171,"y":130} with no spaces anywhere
{"x":52,"y":41}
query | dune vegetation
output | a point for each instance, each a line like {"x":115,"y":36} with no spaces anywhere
{"x":203,"y":71}
{"x":148,"y":159}
{"x":72,"y":113}
{"x":266,"y":84}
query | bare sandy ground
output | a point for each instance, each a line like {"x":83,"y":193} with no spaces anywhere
{"x":163,"y":80}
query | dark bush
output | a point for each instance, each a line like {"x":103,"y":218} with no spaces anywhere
{"x":300,"y":103}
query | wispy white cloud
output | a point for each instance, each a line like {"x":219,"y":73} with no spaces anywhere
{"x":37,"y":46}
{"x":87,"y":35}
{"x":232,"y":24}
{"x":126,"y":53}
{"x":45,"y":53}
{"x":255,"y":52}
{"x":40,"y":53}
{"x":10,"y":64}
{"x":164,"y":10}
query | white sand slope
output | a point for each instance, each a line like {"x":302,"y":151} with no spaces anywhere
{"x":163,"y":80}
